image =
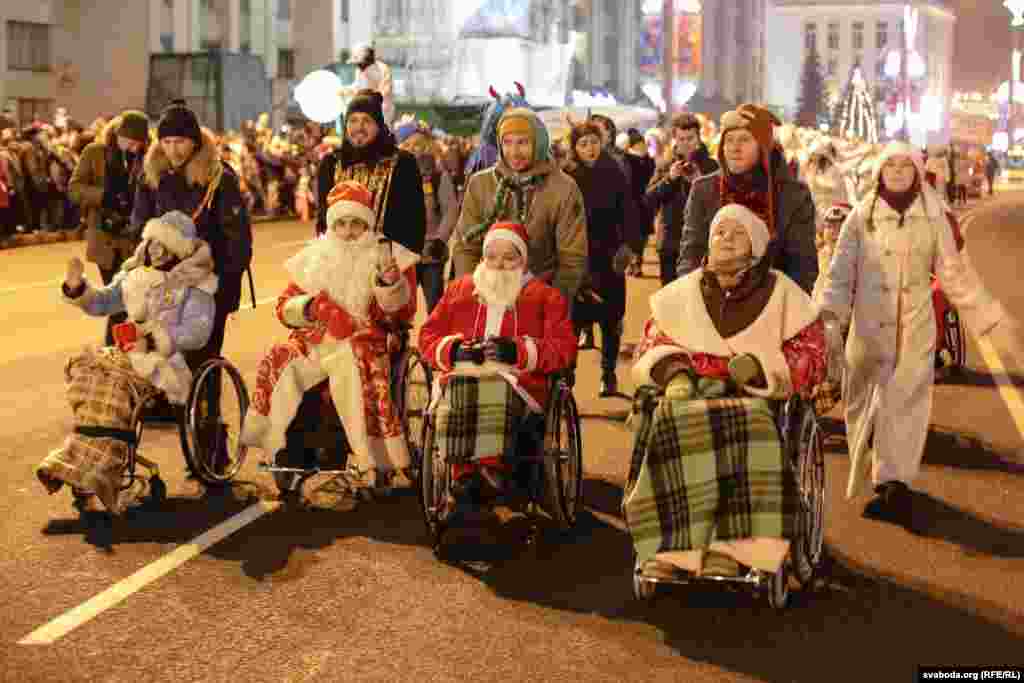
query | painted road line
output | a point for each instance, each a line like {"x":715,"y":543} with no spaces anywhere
{"x":30,"y":285}
{"x":72,"y":619}
{"x":1011,"y":396}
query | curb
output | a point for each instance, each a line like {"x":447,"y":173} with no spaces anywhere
{"x":43,"y":238}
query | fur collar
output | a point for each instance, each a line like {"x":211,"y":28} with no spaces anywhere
{"x":204,"y":167}
{"x":194,"y":271}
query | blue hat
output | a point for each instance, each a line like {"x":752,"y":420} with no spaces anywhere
{"x":175,"y":230}
{"x":407,"y":130}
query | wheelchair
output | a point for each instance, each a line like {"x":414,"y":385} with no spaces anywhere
{"x":208,"y":427}
{"x":951,"y":337}
{"x":801,"y":437}
{"x":548,"y":474}
{"x":316,"y":442}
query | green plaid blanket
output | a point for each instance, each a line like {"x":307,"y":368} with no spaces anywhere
{"x":478,"y":418}
{"x":711,"y":470}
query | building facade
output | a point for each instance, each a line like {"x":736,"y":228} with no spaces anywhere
{"x":733,"y":50}
{"x":846,"y":33}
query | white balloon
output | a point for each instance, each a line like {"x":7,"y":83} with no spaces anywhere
{"x":318,"y":96}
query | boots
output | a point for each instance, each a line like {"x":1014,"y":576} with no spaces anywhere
{"x":609,"y":384}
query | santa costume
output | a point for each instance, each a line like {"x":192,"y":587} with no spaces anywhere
{"x":347,"y":345}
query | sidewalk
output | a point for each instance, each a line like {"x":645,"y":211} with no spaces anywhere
{"x":53,"y":237}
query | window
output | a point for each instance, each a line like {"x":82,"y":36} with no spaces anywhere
{"x":833,"y":67}
{"x":286,"y":63}
{"x":833,"y":36}
{"x":810,"y":37}
{"x":28,"y":46}
{"x":881,"y":34}
{"x":284,"y":10}
{"x":858,"y":35}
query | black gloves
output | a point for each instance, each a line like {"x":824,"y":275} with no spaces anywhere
{"x":461,"y":352}
{"x":501,"y":350}
{"x":436,"y":251}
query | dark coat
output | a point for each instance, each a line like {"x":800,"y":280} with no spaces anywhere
{"x":606,"y":201}
{"x":792,"y":250}
{"x":641,"y":170}
{"x":405,"y":214}
{"x":670,"y":197}
{"x":224,"y":224}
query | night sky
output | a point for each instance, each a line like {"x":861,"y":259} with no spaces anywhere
{"x":981,"y":58}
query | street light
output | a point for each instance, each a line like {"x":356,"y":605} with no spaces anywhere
{"x":1016,"y":8}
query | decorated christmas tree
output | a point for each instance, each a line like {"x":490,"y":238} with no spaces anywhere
{"x":811,"y":103}
{"x":855,"y":115}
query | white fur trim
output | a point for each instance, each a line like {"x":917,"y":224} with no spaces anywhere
{"x":503,"y":234}
{"x":403,"y":256}
{"x":642,"y":368}
{"x":757,"y":229}
{"x":531,"y":353}
{"x":391,"y":298}
{"x":169,"y":236}
{"x":347,"y":393}
{"x":443,"y":351}
{"x":355,"y":209}
{"x":268,"y":432}
{"x":495,"y":318}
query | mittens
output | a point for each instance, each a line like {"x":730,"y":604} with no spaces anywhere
{"x":502,"y":350}
{"x":745,"y":369}
{"x":681,"y":387}
{"x":461,"y":352}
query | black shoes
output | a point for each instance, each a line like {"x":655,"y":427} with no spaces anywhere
{"x":893,"y":502}
{"x":609,"y":385}
{"x":587,"y":340}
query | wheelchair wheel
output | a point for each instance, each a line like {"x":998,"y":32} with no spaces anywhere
{"x":563,"y":458}
{"x":412,"y":393}
{"x":434,"y":485}
{"x":212,"y":422}
{"x":808,"y":459}
{"x":778,"y":588}
{"x":644,"y":591}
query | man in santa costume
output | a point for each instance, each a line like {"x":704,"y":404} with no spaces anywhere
{"x":346,"y":286}
{"x":495,"y":336}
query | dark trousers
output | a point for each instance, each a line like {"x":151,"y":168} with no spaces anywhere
{"x":667,"y":261}
{"x":107,"y":275}
{"x":430,"y":277}
{"x":991,"y":181}
{"x":611,"y":342}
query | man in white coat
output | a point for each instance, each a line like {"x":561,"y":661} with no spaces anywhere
{"x":881,"y":275}
{"x":372,"y":74}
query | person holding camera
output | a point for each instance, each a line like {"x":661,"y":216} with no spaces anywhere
{"x":669,"y":190}
{"x":103,"y":186}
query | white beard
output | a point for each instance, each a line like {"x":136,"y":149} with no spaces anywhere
{"x":345,"y":271}
{"x":498,"y":287}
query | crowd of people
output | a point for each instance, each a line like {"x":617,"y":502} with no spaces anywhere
{"x":519,"y":260}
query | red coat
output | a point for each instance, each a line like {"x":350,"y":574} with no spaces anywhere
{"x":539,"y":323}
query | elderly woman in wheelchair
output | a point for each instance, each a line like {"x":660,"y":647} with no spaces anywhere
{"x":726,"y":480}
{"x":502,"y":421}
{"x":349,"y":292}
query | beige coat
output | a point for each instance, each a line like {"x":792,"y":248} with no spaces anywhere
{"x":86,"y":190}
{"x":556,"y":223}
{"x":882,"y":278}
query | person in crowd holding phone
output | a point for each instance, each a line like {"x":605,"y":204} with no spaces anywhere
{"x":346,"y":287}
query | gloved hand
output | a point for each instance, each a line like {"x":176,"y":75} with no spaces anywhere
{"x":463,"y":352}
{"x":436,"y":251}
{"x":501,"y":350}
{"x":321,"y":308}
{"x":745,"y":370}
{"x":681,"y":387}
{"x":73,"y":275}
{"x":834,"y":346}
{"x":622,"y":259}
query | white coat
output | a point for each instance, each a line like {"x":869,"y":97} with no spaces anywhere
{"x":882,"y":278}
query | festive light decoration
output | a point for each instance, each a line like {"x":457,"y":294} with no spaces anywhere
{"x":1016,"y":8}
{"x":318,"y":96}
{"x":857,"y":116}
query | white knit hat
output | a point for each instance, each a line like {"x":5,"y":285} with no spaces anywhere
{"x":757,"y":229}
{"x":895,"y":149}
{"x":175,"y":230}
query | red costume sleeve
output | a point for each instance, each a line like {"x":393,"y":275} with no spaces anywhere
{"x":437,"y":335}
{"x":805,"y":355}
{"x":406,"y":312}
{"x":556,"y":348}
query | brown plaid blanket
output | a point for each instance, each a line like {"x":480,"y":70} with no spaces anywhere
{"x":478,"y":418}
{"x":711,"y":470}
{"x":99,"y":385}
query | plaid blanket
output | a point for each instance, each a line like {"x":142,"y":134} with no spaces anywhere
{"x":99,"y":385}
{"x":478,"y":418}
{"x":711,"y":470}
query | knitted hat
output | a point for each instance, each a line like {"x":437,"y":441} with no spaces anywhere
{"x":175,"y":230}
{"x":759,"y":121}
{"x":368,"y":102}
{"x":134,"y":126}
{"x":406,"y":130}
{"x":516,"y":121}
{"x":898,"y":148}
{"x":513,"y":232}
{"x":349,"y":198}
{"x":178,"y":121}
{"x":757,"y":229}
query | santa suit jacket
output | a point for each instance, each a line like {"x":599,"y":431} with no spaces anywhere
{"x":539,"y":323}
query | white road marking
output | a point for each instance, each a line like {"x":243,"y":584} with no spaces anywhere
{"x":1010,"y":395}
{"x":30,"y":285}
{"x":72,"y":619}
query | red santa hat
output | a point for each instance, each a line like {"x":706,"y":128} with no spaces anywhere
{"x":350,"y":199}
{"x":513,"y":232}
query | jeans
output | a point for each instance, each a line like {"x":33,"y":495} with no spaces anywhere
{"x":430,"y":276}
{"x":611,"y":343}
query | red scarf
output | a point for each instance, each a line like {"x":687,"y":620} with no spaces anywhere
{"x":752,"y":190}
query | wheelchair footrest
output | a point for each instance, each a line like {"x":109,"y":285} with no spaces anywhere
{"x":267,"y":467}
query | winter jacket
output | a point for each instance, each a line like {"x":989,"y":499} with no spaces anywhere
{"x":86,"y":190}
{"x":208,"y":186}
{"x":792,"y":249}
{"x":671,"y":196}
